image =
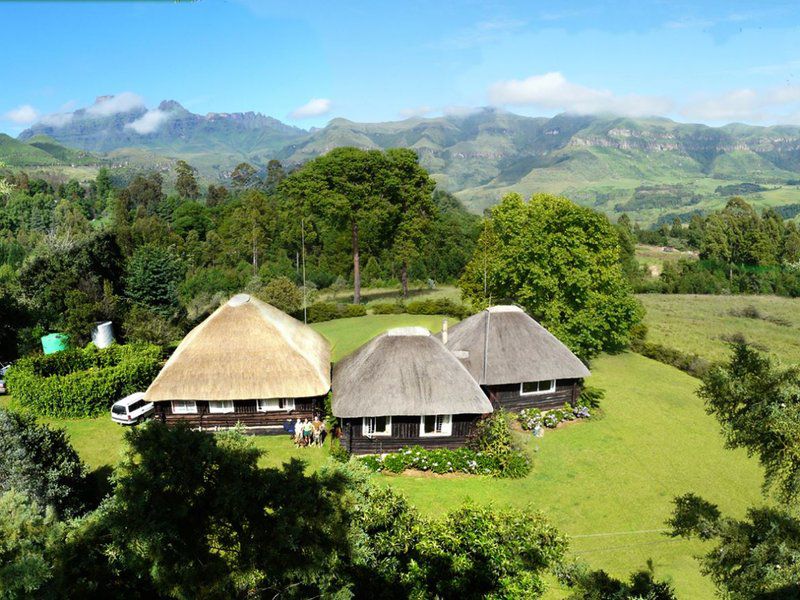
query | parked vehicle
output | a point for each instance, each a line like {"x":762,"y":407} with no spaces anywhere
{"x":131,"y":409}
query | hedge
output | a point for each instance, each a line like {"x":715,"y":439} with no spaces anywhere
{"x":328,"y":311}
{"x":692,"y":364}
{"x":82,"y":382}
{"x":438,"y":306}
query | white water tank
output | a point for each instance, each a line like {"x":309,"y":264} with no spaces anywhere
{"x":103,"y":334}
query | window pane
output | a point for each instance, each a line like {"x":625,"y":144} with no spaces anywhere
{"x":430,"y":423}
{"x":380,"y":424}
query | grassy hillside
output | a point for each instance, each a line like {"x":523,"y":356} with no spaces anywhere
{"x":42,"y":151}
{"x":14,"y":153}
{"x":704,"y":324}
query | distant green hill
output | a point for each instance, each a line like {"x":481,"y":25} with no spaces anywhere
{"x":69,"y":156}
{"x":654,"y":168}
{"x":41,"y":151}
{"x":19,"y":154}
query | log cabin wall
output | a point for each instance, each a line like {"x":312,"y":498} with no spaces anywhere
{"x":405,"y":432}
{"x":245,"y":413}
{"x":508,"y":396}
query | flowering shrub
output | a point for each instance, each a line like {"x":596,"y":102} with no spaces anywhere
{"x":491,"y":451}
{"x":531,"y":418}
{"x":440,"y":460}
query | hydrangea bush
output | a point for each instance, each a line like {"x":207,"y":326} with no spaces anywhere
{"x":531,"y":418}
{"x":492,"y":450}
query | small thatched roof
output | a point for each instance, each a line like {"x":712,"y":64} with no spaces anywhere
{"x":246,"y":350}
{"x":405,"y":371}
{"x":502,"y":344}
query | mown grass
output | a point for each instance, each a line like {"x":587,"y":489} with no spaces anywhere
{"x":703,"y":324}
{"x":601,"y":480}
{"x":608,"y":482}
{"x":346,"y":335}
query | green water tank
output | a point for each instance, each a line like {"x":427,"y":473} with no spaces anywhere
{"x":54,"y":342}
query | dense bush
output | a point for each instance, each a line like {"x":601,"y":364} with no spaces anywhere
{"x":690,"y":363}
{"x":387,"y":308}
{"x":82,"y":383}
{"x":327,"y":311}
{"x":40,"y":463}
{"x":438,"y":306}
{"x":492,"y":436}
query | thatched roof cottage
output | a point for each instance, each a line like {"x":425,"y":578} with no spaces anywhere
{"x":517,"y":362}
{"x":404,"y":388}
{"x":247,"y":363}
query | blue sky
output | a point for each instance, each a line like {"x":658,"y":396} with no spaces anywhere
{"x":307,"y":62}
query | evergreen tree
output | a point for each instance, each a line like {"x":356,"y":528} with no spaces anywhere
{"x":186,"y":182}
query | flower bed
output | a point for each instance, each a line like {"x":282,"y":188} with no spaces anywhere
{"x":492,"y":451}
{"x":531,"y":418}
{"x":440,"y":461}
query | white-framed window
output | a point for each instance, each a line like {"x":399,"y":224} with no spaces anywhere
{"x":527,"y":388}
{"x":376,"y":426}
{"x":275,"y":404}
{"x":220,"y":406}
{"x":184,"y":407}
{"x":432,"y":425}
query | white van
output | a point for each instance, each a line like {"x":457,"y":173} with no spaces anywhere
{"x":131,"y":409}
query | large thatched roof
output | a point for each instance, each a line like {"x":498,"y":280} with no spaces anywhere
{"x":503,"y":345}
{"x":405,"y":371}
{"x":246,"y":350}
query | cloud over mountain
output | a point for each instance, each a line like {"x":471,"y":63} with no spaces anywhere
{"x":22,"y":115}
{"x":105,"y":106}
{"x":552,"y":91}
{"x":149,"y":121}
{"x":316,"y":107}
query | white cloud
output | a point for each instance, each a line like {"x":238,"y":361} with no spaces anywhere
{"x":419,"y":111}
{"x":56,"y":119}
{"x":105,"y":106}
{"x":316,"y":107}
{"x":149,"y":121}
{"x":771,"y":105}
{"x":552,"y":91}
{"x":22,"y":115}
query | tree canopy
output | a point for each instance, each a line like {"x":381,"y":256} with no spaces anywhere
{"x":561,"y":262}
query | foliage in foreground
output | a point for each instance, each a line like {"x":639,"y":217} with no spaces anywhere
{"x":491,"y":451}
{"x":82,"y":382}
{"x":216,"y":525}
{"x":40,"y":463}
{"x":758,"y":406}
{"x":599,"y":585}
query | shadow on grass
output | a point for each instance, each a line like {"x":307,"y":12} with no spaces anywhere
{"x":98,"y":485}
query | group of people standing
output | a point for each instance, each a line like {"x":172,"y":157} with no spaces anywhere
{"x":309,"y":433}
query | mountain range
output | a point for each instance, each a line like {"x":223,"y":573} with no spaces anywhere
{"x":652,"y":167}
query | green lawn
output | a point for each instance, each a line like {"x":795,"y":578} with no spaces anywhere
{"x":699,"y":324}
{"x":607,"y":482}
{"x":346,"y":335}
